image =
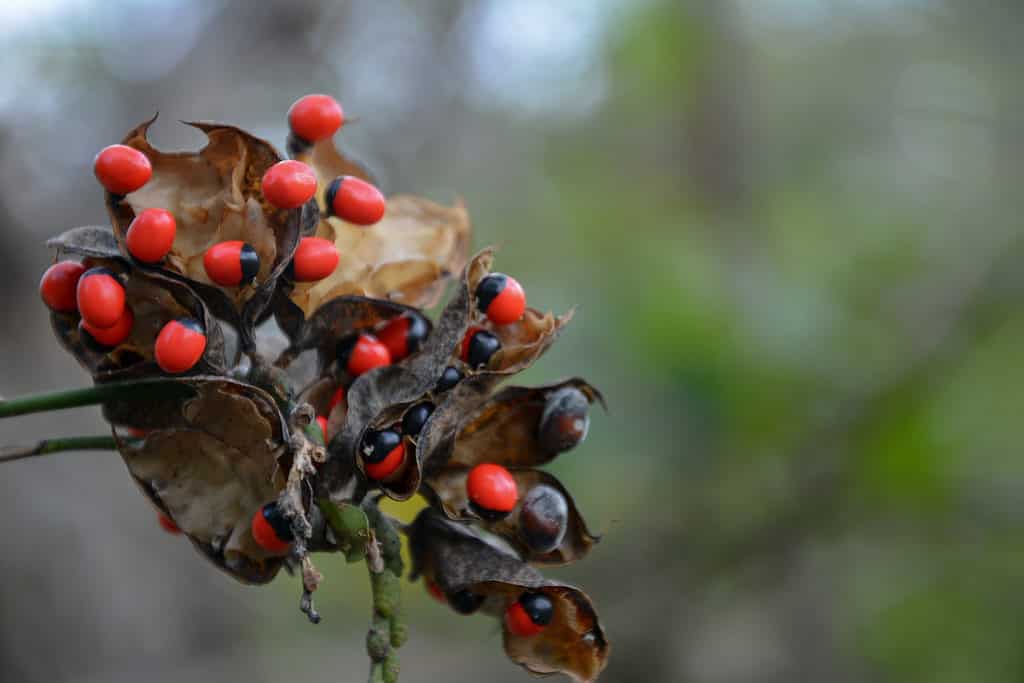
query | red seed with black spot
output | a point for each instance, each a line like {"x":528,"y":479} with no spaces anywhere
{"x":403,"y":335}
{"x":180,"y":345}
{"x":100,"y":297}
{"x":354,"y":200}
{"x":315,"y":117}
{"x":231,"y":263}
{"x":361,"y":352}
{"x":288,"y":184}
{"x":501,"y":298}
{"x":492,"y":491}
{"x":478,"y":347}
{"x":122,"y":169}
{"x":271,"y":530}
{"x":58,"y":285}
{"x":530,"y":614}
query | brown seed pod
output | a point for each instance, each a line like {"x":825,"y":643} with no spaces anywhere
{"x":215,"y":196}
{"x":154,"y":301}
{"x":447,"y":490}
{"x":455,"y":559}
{"x":208,"y":462}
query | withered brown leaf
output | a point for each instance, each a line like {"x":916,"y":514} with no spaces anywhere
{"x":455,"y":559}
{"x":217,"y":457}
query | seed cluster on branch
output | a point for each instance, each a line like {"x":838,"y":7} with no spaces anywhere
{"x":261,"y":467}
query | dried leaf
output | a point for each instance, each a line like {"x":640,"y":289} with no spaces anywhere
{"x":87,"y":240}
{"x":154,"y":300}
{"x":407,"y":257}
{"x":447,"y":489}
{"x":573,"y":644}
{"x":215,"y":196}
{"x":215,"y":460}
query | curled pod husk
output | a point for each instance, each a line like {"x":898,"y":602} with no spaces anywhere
{"x":215,"y":196}
{"x":524,"y":426}
{"x":446,"y":489}
{"x":209,"y":462}
{"x":94,"y":241}
{"x":455,"y":559}
{"x":154,"y":301}
{"x":334,"y":321}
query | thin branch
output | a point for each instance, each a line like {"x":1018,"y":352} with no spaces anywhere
{"x":68,"y":443}
{"x":87,"y":396}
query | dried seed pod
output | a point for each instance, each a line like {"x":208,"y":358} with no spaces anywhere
{"x":154,"y":300}
{"x":215,"y":196}
{"x":524,"y":525}
{"x":208,"y":462}
{"x":571,"y":643}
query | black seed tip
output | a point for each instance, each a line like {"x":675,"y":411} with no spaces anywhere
{"x":296,"y":145}
{"x":417,"y":332}
{"x":415,"y":417}
{"x":192,"y":324}
{"x":449,"y":378}
{"x":276,"y":519}
{"x":488,"y":514}
{"x":538,"y":607}
{"x":331,"y":193}
{"x":377,"y":444}
{"x":250,"y":261}
{"x":482,"y":348}
{"x":465,"y":602}
{"x":488,"y":290}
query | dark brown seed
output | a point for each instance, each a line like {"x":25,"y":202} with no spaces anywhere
{"x":564,"y":422}
{"x":543,"y":519}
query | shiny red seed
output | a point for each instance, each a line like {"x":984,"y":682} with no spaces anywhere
{"x":58,"y":285}
{"x":100,"y":297}
{"x":322,"y":422}
{"x":501,"y":298}
{"x":365,"y":354}
{"x":315,"y":117}
{"x":179,"y":346}
{"x":122,"y":169}
{"x":271,"y":533}
{"x":315,"y":259}
{"x":337,"y":397}
{"x":386,"y":467}
{"x":289,"y":184}
{"x":529,"y":615}
{"x":115,"y":334}
{"x":354,"y":200}
{"x":151,"y":235}
{"x":231,"y":263}
{"x":492,"y":487}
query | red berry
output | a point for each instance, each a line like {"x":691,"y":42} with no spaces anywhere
{"x":151,"y":235}
{"x":529,"y":615}
{"x":289,"y":184}
{"x":315,"y":117}
{"x":501,"y":298}
{"x":231,"y":263}
{"x":100,"y":297}
{"x":386,"y":467}
{"x":360,"y":353}
{"x":122,"y":169}
{"x":271,"y":530}
{"x":337,"y":397}
{"x":354,"y":200}
{"x":315,"y":259}
{"x":168,"y":524}
{"x":403,"y":335}
{"x":58,"y":285}
{"x":322,"y":422}
{"x":478,"y":347}
{"x":110,"y":336}
{"x":492,"y":490}
{"x":180,"y":345}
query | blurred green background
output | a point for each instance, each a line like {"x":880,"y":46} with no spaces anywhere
{"x":793,"y":231}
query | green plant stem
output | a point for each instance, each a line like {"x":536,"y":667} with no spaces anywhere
{"x":68,"y":443}
{"x":387,"y":630}
{"x":87,"y":396}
